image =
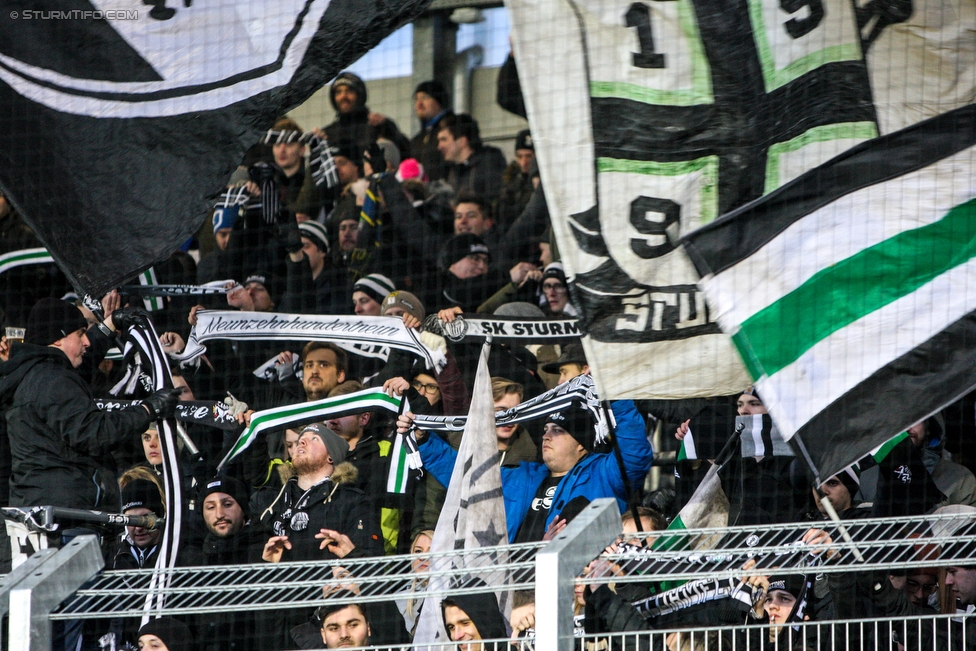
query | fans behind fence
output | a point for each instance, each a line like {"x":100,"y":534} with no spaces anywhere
{"x":375,"y":226}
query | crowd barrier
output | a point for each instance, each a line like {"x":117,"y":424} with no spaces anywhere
{"x":70,"y":584}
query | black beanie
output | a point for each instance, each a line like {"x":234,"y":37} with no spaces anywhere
{"x":229,"y":486}
{"x":52,"y":319}
{"x":459,"y":247}
{"x":172,"y":632}
{"x":352,"y":80}
{"x":142,"y":493}
{"x":436,"y":91}
{"x":523,"y":140}
{"x":795,"y":584}
{"x":578,"y":422}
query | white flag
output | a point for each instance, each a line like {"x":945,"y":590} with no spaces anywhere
{"x":473,"y":515}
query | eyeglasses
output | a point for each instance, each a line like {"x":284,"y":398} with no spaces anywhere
{"x":926,"y":588}
{"x":554,"y":287}
{"x":420,"y":387}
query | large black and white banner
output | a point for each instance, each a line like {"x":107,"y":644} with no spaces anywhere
{"x":651,"y":119}
{"x":121,"y":118}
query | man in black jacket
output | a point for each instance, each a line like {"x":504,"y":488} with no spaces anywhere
{"x":355,"y":125}
{"x":472,"y":165}
{"x":59,"y":439}
{"x":321,"y":496}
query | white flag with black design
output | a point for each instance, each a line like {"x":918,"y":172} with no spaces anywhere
{"x":473,"y":515}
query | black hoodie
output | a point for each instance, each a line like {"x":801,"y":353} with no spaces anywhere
{"x":482,"y":609}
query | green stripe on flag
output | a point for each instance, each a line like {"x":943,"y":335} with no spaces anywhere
{"x":283,"y":416}
{"x":880,"y":452}
{"x":841,"y":294}
{"x":24,"y":256}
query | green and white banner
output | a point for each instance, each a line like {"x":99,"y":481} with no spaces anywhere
{"x":316,"y":411}
{"x":652,"y":119}
{"x":850,"y":293}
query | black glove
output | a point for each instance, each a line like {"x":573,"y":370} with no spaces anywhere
{"x":376,"y":158}
{"x":162,"y":404}
{"x":261,"y":172}
{"x":290,"y":237}
{"x":127,"y":317}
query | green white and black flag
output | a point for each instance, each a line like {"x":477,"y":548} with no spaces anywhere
{"x":850,"y":292}
{"x":651,"y":119}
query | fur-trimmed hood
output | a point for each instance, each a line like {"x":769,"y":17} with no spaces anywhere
{"x":345,"y":474}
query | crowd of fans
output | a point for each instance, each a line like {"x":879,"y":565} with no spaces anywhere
{"x":355,"y":218}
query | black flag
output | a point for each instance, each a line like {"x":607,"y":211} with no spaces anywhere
{"x":119,"y":123}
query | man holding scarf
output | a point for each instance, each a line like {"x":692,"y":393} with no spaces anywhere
{"x":535,"y":493}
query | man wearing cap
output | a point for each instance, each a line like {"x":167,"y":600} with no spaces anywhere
{"x":536,"y":492}
{"x":555,"y":291}
{"x":466,"y":280}
{"x":355,"y":125}
{"x":59,"y":440}
{"x":230,"y":540}
{"x":165,"y":634}
{"x":368,"y":293}
{"x":254,"y":295}
{"x":318,"y":497}
{"x":224,"y":504}
{"x":140,"y":545}
{"x":840,"y":491}
{"x":517,"y":185}
{"x":571,"y":363}
{"x":431,"y":104}
{"x":224,"y":218}
{"x":471,"y":165}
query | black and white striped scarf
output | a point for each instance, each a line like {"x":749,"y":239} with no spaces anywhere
{"x":144,"y":344}
{"x":320,"y":161}
{"x":580,"y":389}
{"x":211,"y":288}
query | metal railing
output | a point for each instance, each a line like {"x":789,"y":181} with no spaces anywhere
{"x":47,"y":588}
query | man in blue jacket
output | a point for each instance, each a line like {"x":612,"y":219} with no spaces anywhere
{"x":535,"y":493}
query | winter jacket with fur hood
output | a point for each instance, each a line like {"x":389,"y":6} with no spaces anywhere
{"x":334,"y":503}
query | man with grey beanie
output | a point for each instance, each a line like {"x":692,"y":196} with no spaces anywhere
{"x":319,"y":513}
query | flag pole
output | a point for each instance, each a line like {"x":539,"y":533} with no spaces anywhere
{"x":797,"y":444}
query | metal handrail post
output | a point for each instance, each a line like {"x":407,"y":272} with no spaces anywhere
{"x":34,"y":597}
{"x":22,"y":571}
{"x":557,"y":564}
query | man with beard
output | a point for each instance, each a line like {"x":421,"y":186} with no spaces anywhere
{"x":317,"y":515}
{"x":228,"y":542}
{"x":355,"y":125}
{"x":320,"y":496}
{"x":224,"y":503}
